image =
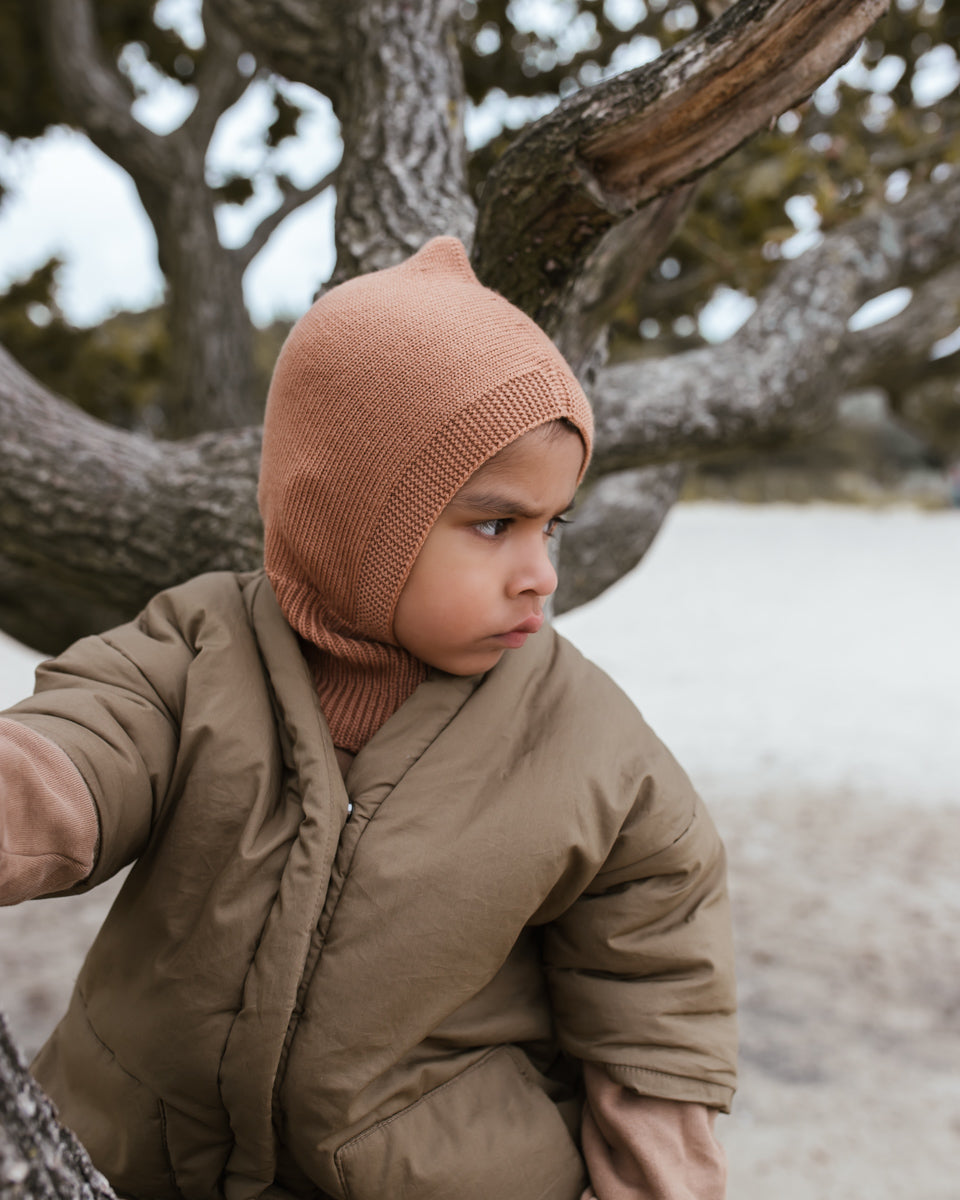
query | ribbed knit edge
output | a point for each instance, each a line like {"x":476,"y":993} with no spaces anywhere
{"x":360,"y":682}
{"x":358,"y":697}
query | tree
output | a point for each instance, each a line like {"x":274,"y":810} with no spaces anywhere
{"x":569,"y":218}
{"x":39,"y":1159}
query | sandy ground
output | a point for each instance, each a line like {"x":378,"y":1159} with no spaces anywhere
{"x":849,"y":962}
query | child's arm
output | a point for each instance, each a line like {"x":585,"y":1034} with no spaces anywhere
{"x":644,"y":1148}
{"x":48,"y":822}
{"x":640,"y":968}
{"x":104,"y":718}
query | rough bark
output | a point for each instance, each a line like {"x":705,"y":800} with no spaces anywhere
{"x":784,"y":370}
{"x":94,"y":520}
{"x":613,"y":148}
{"x":402,"y":178}
{"x":622,"y":257}
{"x":39,"y":1158}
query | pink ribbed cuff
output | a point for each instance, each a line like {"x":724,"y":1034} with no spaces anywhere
{"x":48,"y":821}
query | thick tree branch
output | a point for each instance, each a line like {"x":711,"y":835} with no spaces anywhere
{"x":293,"y":198}
{"x":894,"y":354}
{"x":90,"y":510}
{"x":613,"y":271}
{"x":784,"y":370}
{"x":614,"y":147}
{"x":213,"y":381}
{"x":218,"y":81}
{"x":614,"y":526}
{"x":98,"y":95}
{"x":300,"y":39}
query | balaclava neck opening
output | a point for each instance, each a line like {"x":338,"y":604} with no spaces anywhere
{"x":387,"y":395}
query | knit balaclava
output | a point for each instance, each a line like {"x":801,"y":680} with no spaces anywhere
{"x":387,"y":395}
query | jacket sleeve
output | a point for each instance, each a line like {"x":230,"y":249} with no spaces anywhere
{"x":112,"y":704}
{"x":640,"y":966}
{"x":48,"y":822}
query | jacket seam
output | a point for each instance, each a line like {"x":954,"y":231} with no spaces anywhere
{"x":165,"y":1144}
{"x":162,"y":705}
{"x":673,"y":841}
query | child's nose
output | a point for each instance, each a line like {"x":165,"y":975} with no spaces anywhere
{"x":536,"y":573}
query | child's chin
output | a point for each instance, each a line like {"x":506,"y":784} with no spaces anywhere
{"x":475,"y":663}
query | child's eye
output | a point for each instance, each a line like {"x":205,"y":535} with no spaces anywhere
{"x":492,"y":528}
{"x":554,"y":523}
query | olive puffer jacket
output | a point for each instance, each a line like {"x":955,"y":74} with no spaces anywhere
{"x":378,"y":986}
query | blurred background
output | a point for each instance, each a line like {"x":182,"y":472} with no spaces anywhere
{"x":792,"y":634}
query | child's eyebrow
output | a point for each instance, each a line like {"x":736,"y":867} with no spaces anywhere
{"x":493,"y":502}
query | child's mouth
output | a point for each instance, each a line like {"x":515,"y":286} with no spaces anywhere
{"x":515,"y":638}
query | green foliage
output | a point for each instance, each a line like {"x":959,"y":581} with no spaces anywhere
{"x":116,"y":371}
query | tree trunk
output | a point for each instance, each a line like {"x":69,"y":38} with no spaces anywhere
{"x":213,"y":385}
{"x":403,"y":176}
{"x":39,"y":1158}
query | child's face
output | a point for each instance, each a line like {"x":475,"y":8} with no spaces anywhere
{"x":478,"y":584}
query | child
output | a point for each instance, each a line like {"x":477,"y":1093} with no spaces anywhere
{"x":419,"y":906}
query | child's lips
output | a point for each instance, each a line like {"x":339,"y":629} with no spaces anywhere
{"x":515,"y":638}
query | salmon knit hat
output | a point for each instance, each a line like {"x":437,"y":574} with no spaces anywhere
{"x":388,"y":394}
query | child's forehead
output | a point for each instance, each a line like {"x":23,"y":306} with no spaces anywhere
{"x":526,"y":461}
{"x":535,"y":448}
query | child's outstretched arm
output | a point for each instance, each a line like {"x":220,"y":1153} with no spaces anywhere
{"x":85,"y":762}
{"x":48,"y":821}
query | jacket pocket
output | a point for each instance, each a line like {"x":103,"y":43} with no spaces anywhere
{"x":118,"y":1120}
{"x":491,"y":1133}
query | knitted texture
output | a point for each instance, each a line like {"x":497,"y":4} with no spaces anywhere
{"x":387,"y":395}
